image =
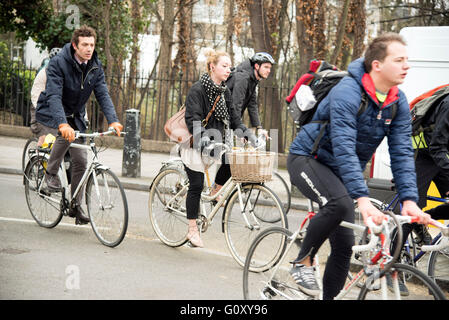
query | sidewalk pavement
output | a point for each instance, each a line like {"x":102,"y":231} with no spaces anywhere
{"x":11,"y":149}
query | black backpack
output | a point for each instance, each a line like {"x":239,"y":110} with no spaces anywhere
{"x":320,"y":82}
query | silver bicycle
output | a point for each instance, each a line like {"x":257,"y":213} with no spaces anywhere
{"x":248,"y":208}
{"x":104,"y":194}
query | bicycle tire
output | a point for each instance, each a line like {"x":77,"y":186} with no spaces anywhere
{"x":438,"y":268}
{"x":108,"y":209}
{"x":43,"y":206}
{"x":266,"y":271}
{"x":420,"y":286}
{"x":274,"y":185}
{"x":29,"y":145}
{"x":169,"y":224}
{"x":238,"y":234}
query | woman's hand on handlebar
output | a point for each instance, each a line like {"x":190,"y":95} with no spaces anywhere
{"x":262,"y":132}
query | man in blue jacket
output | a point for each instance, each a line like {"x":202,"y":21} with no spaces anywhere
{"x":72,"y":75}
{"x":332,"y":176}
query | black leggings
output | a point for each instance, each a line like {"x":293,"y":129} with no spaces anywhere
{"x":196,"y":184}
{"x":318,"y":183}
{"x":426,"y":172}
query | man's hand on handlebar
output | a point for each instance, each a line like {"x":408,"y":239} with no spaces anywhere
{"x":410,"y":208}
{"x":367,"y":209}
{"x":67,"y":132}
{"x":117,"y":127}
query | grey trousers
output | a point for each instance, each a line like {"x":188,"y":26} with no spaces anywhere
{"x":79,"y":162}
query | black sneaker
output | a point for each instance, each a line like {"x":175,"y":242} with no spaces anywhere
{"x":78,"y":213}
{"x":53,"y":182}
{"x":305,"y":279}
{"x":422,"y":234}
{"x":402,"y":287}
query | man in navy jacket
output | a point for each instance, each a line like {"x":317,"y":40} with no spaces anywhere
{"x":71,"y":77}
{"x":333,"y":175}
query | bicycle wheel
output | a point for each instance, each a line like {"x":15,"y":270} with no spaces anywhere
{"x":438,"y":268}
{"x":107,"y":207}
{"x":44,"y":207}
{"x":419,"y":285}
{"x":280,"y":187}
{"x":167,"y":206}
{"x":28,"y":151}
{"x":242,"y":226}
{"x":266,"y":273}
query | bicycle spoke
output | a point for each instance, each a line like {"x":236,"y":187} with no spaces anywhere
{"x":243,"y":218}
{"x":107,"y":207}
{"x":43,"y":206}
{"x":167,"y":207}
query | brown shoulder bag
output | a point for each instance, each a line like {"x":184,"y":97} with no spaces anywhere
{"x":176,"y":128}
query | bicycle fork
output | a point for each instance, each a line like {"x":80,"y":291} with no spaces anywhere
{"x":243,"y":206}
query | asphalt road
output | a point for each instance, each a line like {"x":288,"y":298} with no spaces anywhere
{"x":68,"y":262}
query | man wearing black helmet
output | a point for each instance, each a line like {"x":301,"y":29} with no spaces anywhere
{"x":243,"y":82}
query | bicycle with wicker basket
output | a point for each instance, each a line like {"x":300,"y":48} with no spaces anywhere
{"x":249,"y":205}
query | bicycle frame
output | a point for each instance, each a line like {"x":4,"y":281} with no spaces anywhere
{"x":356,"y":248}
{"x":94,"y":165}
{"x":224,"y":193}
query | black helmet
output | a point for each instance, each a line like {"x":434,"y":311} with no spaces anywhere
{"x":54,"y":52}
{"x":262,"y":57}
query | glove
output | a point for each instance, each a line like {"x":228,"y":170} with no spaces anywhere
{"x":204,"y":142}
{"x":117,"y":127}
{"x":67,"y":132}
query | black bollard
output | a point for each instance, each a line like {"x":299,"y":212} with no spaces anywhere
{"x":132,"y":145}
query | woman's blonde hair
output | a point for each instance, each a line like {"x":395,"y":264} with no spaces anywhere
{"x":213,"y":56}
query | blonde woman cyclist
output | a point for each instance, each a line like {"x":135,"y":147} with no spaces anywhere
{"x":200,"y":99}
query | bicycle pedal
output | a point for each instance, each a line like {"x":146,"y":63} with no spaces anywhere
{"x":267,"y":293}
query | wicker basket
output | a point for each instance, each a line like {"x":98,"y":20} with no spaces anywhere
{"x":251,"y":166}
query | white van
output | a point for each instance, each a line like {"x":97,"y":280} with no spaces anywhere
{"x":428,"y":50}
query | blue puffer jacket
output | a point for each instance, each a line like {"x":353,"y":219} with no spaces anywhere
{"x":68,"y":89}
{"x":350,"y":140}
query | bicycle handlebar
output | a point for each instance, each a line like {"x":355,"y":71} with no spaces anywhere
{"x":375,"y":231}
{"x":224,"y":148}
{"x":95,"y":134}
{"x":444,"y":243}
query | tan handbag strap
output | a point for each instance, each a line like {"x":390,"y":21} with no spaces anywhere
{"x":205,"y":121}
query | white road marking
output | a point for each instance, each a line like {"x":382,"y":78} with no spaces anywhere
{"x":128,"y":235}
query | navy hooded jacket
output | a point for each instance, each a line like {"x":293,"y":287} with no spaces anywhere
{"x":350,"y":140}
{"x":68,"y":89}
